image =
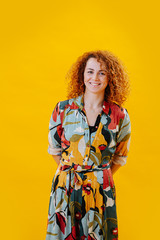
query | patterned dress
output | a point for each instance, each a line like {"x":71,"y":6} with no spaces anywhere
{"x":83,"y":199}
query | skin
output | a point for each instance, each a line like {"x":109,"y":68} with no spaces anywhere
{"x":95,"y":80}
{"x":57,"y":158}
{"x":95,"y":73}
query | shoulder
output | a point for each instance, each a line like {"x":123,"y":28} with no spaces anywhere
{"x":119,"y":110}
{"x":115,"y":110}
{"x":118,"y":115}
{"x":65,"y":104}
{"x":122,"y":116}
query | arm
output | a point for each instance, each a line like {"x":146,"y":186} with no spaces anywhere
{"x":54,"y":134}
{"x":57,"y":158}
{"x":123,"y":143}
{"x":114,"y":167}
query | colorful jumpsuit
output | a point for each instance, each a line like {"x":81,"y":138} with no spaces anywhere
{"x":83,"y":199}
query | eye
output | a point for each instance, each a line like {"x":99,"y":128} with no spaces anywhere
{"x":102,"y":73}
{"x":89,"y":72}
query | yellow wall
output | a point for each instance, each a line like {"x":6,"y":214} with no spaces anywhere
{"x":40,"y":40}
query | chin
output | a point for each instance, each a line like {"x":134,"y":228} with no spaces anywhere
{"x":93,"y":91}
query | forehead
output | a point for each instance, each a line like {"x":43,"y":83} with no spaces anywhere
{"x":93,"y":62}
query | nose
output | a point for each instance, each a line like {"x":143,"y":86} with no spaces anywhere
{"x":95,"y":77}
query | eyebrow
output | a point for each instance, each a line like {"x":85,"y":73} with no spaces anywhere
{"x":99,"y":70}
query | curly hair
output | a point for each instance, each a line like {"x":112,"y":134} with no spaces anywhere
{"x":118,"y":87}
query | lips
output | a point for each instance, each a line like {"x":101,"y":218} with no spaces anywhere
{"x":94,"y":84}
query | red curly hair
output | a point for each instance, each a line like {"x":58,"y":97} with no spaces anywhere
{"x":118,"y":87}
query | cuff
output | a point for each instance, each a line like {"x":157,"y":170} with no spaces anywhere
{"x":54,"y":151}
{"x":119,"y":159}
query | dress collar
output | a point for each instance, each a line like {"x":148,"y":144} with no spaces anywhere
{"x":79,"y":102}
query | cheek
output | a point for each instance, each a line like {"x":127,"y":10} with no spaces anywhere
{"x":86,"y":79}
{"x":105,"y":82}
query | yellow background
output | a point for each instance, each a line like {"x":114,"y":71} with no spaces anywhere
{"x":39,"y":42}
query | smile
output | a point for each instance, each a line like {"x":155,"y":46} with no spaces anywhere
{"x":94,"y":84}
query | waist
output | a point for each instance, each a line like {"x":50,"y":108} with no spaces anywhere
{"x":83,"y":168}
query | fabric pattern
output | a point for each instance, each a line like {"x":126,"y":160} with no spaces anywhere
{"x":83,"y":196}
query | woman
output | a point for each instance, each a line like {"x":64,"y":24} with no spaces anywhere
{"x":89,"y":137}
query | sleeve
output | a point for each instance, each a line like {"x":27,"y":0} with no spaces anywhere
{"x":123,"y":141}
{"x":54,"y":132}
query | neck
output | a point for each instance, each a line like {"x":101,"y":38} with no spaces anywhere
{"x":93,"y":100}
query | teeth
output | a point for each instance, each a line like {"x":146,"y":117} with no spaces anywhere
{"x":94,"y":84}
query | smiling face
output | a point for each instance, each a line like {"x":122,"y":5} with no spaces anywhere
{"x":95,"y":76}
